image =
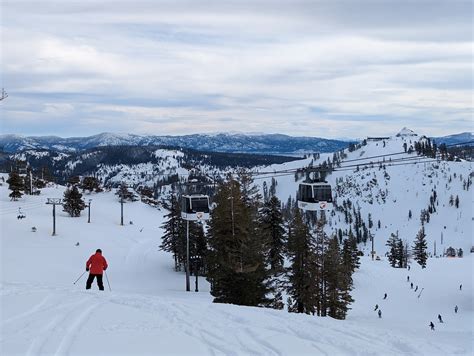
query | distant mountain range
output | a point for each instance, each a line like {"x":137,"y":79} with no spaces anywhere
{"x":240,"y":143}
{"x":275,"y":144}
{"x":455,"y":139}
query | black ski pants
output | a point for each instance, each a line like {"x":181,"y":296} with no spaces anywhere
{"x":91,"y":279}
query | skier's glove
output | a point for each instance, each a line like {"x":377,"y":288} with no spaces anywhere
{"x":87,"y":269}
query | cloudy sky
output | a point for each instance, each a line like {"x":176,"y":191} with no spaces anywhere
{"x":329,"y":68}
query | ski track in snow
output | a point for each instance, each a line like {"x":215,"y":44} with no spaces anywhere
{"x":74,"y":328}
{"x":29,"y":312}
{"x":56,"y":326}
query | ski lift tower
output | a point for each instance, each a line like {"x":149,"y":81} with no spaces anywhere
{"x":54,"y":202}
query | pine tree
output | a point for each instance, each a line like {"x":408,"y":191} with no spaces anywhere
{"x":73,"y":180}
{"x":124,"y":193}
{"x":392,"y":253}
{"x":73,"y":203}
{"x":90,"y":184}
{"x":420,"y":247}
{"x":400,"y":255}
{"x":273,"y":233}
{"x":338,"y":281}
{"x":173,"y":239}
{"x":16,"y":185}
{"x":350,"y":254}
{"x":236,"y":268}
{"x":302,"y":289}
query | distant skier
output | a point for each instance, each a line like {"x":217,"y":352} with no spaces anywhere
{"x":416,"y":288}
{"x":408,"y":267}
{"x":440,"y":318}
{"x":431,"y":325}
{"x":385,"y":296}
{"x":97,"y":264}
{"x":376,"y":307}
{"x":380,"y":314}
{"x":456,"y":309}
{"x":408,"y":278}
{"x":411,"y":285}
{"x":460,"y":287}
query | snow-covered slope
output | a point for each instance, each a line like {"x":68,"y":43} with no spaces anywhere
{"x":388,"y":191}
{"x":148,"y":311}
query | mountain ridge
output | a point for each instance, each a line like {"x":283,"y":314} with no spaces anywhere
{"x":275,"y":143}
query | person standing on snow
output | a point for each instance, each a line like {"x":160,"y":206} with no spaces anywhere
{"x":456,"y":309}
{"x":385,"y":296}
{"x":431,"y":325}
{"x":380,"y":314}
{"x":96,"y":264}
{"x":440,"y":318}
{"x":376,"y":307}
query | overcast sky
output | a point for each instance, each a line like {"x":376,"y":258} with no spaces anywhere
{"x":327,"y":68}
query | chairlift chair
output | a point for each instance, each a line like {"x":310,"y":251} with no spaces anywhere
{"x":315,"y":196}
{"x":20,"y":215}
{"x":195,"y":207}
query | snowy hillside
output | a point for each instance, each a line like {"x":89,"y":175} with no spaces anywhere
{"x":388,"y":192}
{"x":148,"y":312}
{"x":134,"y":165}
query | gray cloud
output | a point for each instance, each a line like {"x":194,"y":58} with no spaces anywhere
{"x":329,"y":67}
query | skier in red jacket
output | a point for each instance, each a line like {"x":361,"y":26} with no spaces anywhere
{"x":96,"y":264}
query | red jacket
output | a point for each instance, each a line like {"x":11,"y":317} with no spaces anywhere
{"x":96,"y":263}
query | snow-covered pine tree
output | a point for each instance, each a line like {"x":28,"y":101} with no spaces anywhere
{"x":16,"y":185}
{"x":420,"y":247}
{"x":73,"y":203}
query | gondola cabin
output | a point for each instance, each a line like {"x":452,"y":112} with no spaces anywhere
{"x":315,"y":196}
{"x":195,"y":207}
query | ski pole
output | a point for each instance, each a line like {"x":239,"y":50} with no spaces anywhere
{"x":77,"y":280}
{"x":419,"y":295}
{"x":107,"y":278}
